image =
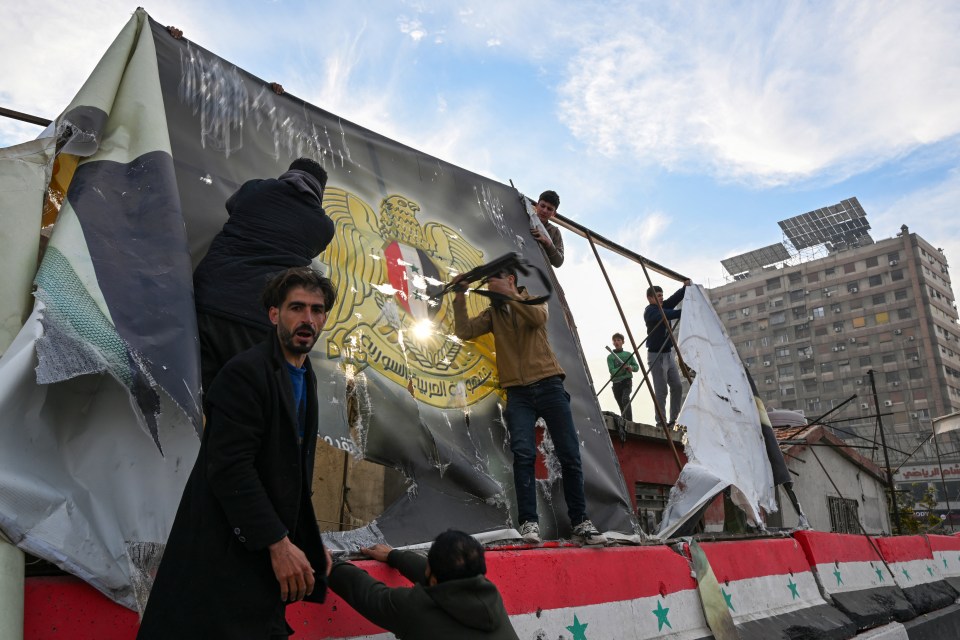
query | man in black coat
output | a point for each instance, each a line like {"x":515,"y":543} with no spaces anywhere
{"x":450,"y":597}
{"x":245,"y":540}
{"x":274,"y":224}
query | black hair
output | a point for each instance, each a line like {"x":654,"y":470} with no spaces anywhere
{"x":455,"y":555}
{"x":551,"y":197}
{"x":276,"y":290}
{"x":654,"y":290}
{"x":312,"y":167}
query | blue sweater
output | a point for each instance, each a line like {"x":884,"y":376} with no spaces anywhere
{"x":657,"y":336}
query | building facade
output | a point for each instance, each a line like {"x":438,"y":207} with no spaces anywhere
{"x":811,"y":334}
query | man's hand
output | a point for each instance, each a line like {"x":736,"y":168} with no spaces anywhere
{"x":176,"y":33}
{"x":688,"y":282}
{"x":329,"y":560}
{"x":541,"y":238}
{"x":460,"y":285}
{"x":378,"y":552}
{"x":501,"y":286}
{"x":292,"y":569}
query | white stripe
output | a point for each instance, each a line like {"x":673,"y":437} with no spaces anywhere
{"x":917,"y":569}
{"x":626,"y":619}
{"x":769,"y":596}
{"x":856,"y":576}
{"x":952,"y":568}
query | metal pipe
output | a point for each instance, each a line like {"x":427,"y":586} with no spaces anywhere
{"x":886,"y":456}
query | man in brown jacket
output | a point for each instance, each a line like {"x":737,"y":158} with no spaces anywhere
{"x":533,"y":379}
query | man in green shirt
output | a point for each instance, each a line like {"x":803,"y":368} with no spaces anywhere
{"x":622,"y":364}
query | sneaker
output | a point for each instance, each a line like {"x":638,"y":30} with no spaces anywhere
{"x":530,"y":532}
{"x":588,"y":533}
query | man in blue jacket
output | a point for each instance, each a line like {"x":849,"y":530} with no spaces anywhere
{"x":660,"y":358}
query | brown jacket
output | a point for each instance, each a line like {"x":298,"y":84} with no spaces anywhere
{"x":519,"y":332}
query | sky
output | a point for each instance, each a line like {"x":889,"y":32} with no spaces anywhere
{"x":682,"y":130}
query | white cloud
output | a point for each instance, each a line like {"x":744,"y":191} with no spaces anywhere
{"x":777,"y":95}
{"x":412,"y":27}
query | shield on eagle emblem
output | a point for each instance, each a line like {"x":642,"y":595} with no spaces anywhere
{"x":415,"y":278}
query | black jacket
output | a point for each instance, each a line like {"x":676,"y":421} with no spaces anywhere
{"x":657,"y":336}
{"x":249,"y":488}
{"x":272,"y":227}
{"x":466,"y":609}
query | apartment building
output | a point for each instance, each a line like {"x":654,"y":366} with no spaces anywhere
{"x":810,"y":331}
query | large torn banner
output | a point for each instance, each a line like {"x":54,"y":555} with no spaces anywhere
{"x":105,"y":369}
{"x":725,"y":446}
{"x":99,"y":392}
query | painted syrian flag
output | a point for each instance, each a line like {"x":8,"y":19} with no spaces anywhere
{"x":771,"y":592}
{"x":916,"y":572}
{"x":415,"y":277}
{"x":851,"y":571}
{"x":946,"y":554}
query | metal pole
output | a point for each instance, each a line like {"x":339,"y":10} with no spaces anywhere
{"x":643,"y":370}
{"x":943,"y":481}
{"x":886,"y":456}
{"x":23,"y":117}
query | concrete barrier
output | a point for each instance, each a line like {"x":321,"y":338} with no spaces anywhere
{"x":852,"y":574}
{"x":771,"y":591}
{"x":916,"y":572}
{"x":946,"y":555}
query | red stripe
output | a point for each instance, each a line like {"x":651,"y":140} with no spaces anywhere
{"x":755,"y":558}
{"x":393,"y":254}
{"x":904,"y":548}
{"x":65,"y":608}
{"x":823,"y":548}
{"x":944,"y":543}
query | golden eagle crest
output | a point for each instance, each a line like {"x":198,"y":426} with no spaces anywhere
{"x":385,"y":269}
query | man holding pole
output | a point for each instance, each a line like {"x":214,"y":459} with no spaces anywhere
{"x":622,"y":365}
{"x":663,"y":365}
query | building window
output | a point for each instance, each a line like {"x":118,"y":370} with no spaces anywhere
{"x":904,"y":313}
{"x":796,"y":295}
{"x":900,"y":294}
{"x":794,"y":277}
{"x":817,"y":312}
{"x":651,"y":501}
{"x":786,"y":371}
{"x":813,"y":277}
{"x":773,"y":283}
{"x":859,"y":323}
{"x":853,"y":287}
{"x":887,"y":358}
{"x":829,"y":271}
{"x":872,"y":262}
{"x":732,"y":315}
{"x":893,"y":256}
{"x":865,"y":361}
{"x":826,"y":367}
{"x":844,"y":515}
{"x":883,"y":317}
{"x":880,"y":298}
{"x":820,"y":331}
{"x":838,"y":326}
{"x":896,"y":274}
{"x":850,"y":267}
{"x":915,"y":374}
{"x":761,"y":307}
{"x":806,"y":368}
{"x":875,"y":281}
{"x":783,"y":352}
{"x":856,"y":303}
{"x":778,"y":318}
{"x":758,"y":292}
{"x":893,"y":376}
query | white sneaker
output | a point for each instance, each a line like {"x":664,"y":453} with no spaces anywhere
{"x":588,"y":533}
{"x":530,"y":532}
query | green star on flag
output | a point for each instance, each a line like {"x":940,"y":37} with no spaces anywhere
{"x":728,"y":597}
{"x":793,"y":588}
{"x":839,"y":579}
{"x":930,"y":570}
{"x":579,"y":630}
{"x":906,"y":574}
{"x":661,"y":613}
{"x":879,"y":573}
{"x":944,"y":562}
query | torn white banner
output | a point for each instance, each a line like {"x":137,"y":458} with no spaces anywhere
{"x":724,"y":440}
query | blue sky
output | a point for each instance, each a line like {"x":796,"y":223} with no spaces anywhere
{"x":685,"y":130}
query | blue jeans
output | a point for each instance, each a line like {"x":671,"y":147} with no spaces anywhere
{"x":545,"y":399}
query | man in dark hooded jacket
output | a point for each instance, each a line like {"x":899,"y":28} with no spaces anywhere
{"x":450,"y":597}
{"x":274,"y":224}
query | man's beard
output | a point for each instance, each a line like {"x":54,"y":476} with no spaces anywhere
{"x":287,"y":339}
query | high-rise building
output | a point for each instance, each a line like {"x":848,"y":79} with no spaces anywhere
{"x":811,"y":329}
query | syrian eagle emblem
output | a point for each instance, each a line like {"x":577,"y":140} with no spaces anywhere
{"x":386,"y":266}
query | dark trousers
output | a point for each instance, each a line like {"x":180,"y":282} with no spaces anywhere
{"x":220,"y":340}
{"x":545,"y":399}
{"x":621,"y":391}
